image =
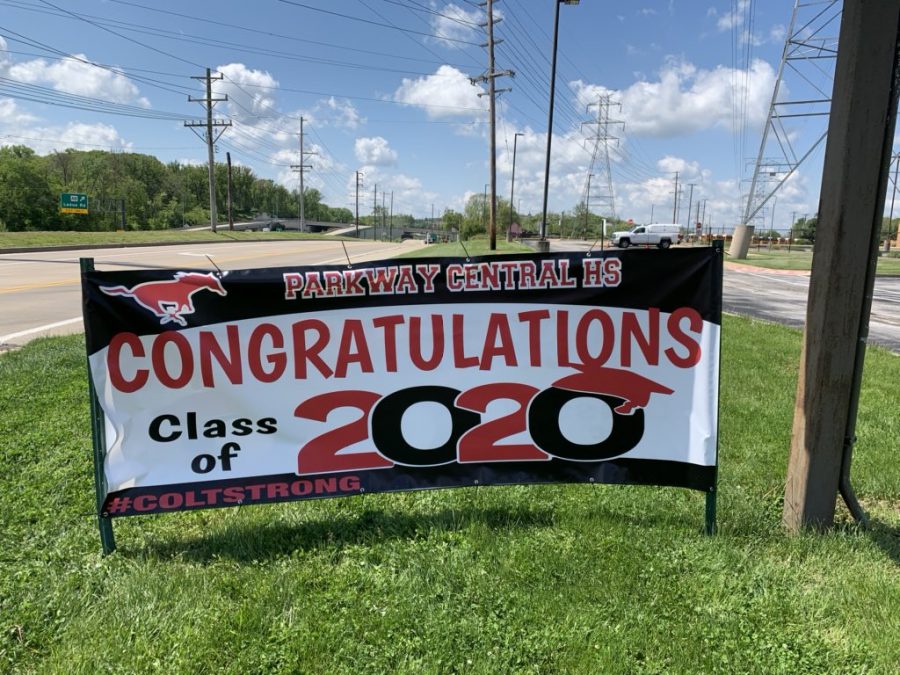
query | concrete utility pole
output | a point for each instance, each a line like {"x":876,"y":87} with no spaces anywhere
{"x":391,"y":237}
{"x":851,"y":209}
{"x":229,"y":201}
{"x":512,"y":182}
{"x":690,"y":199}
{"x":492,"y":92}
{"x":675,"y":204}
{"x":208,"y":102}
{"x":358,"y":174}
{"x":587,"y":204}
{"x":896,"y":159}
{"x":302,"y":168}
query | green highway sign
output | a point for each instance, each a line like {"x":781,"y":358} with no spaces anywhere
{"x":73,"y":202}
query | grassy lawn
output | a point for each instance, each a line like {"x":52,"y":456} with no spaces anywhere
{"x":474,"y":247}
{"x":540,"y":579}
{"x":11,"y":240}
{"x":802,"y":260}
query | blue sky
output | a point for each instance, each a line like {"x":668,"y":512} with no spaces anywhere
{"x":383,"y":86}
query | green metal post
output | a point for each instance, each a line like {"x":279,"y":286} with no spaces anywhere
{"x":98,"y":438}
{"x":719,"y":248}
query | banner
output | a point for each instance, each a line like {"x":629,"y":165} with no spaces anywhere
{"x":281,"y":384}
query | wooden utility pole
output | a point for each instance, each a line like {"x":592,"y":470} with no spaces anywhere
{"x":851,"y":209}
{"x":209,"y":124}
{"x":489,"y":77}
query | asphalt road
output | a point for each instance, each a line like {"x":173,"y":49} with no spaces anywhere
{"x":40,"y":293}
{"x":782,"y":298}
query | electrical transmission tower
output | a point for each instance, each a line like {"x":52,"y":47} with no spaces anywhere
{"x":207,"y":135}
{"x":600,"y":165}
{"x":802,"y":90}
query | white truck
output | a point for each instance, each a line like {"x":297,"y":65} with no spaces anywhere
{"x":662,"y":235}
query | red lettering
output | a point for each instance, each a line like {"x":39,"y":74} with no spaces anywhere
{"x":632,"y":330}
{"x":312,"y":286}
{"x":353,"y":335}
{"x":349,"y":484}
{"x":145,"y":503}
{"x":533,"y":318}
{"x":381,"y":280}
{"x":293,"y":282}
{"x":562,"y":339}
{"x":277,"y":490}
{"x":171,"y":500}
{"x":695,"y":325}
{"x":114,"y":365}
{"x":608,"y":337}
{"x":428,"y":273}
{"x":389,"y":325}
{"x":498,"y":328}
{"x":278,"y":359}
{"x":301,"y":488}
{"x":437,"y":340}
{"x":233,"y":495}
{"x":186,"y":361}
{"x":460,"y":360}
{"x":304,"y":353}
{"x":210,"y":348}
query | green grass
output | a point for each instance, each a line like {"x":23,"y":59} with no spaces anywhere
{"x":802,"y":260}
{"x":12,"y":240}
{"x":472,"y":247}
{"x":539,"y":579}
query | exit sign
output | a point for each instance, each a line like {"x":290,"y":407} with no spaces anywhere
{"x":73,"y":202}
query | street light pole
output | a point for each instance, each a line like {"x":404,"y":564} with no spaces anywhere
{"x":550,"y":112}
{"x":512,"y":185}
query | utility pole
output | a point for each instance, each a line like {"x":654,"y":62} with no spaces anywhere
{"x":512,"y":183}
{"x":358,"y":174}
{"x":229,"y":202}
{"x":391,"y":238}
{"x":854,"y":181}
{"x":896,"y":159}
{"x":375,"y":212}
{"x":208,"y":102}
{"x":489,"y":77}
{"x":587,"y":203}
{"x":383,"y":216}
{"x":690,"y":200}
{"x":675,"y":204}
{"x":302,"y":168}
{"x":652,"y":206}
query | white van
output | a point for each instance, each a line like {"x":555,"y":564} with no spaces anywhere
{"x":662,"y":235}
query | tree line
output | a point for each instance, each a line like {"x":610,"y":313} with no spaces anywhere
{"x":155,"y":195}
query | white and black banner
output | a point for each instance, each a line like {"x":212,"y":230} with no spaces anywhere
{"x":271,"y":385}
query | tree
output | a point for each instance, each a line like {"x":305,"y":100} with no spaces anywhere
{"x":805,"y":228}
{"x":452,"y":220}
{"x":27,"y":201}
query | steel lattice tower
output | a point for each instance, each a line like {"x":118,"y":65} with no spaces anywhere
{"x":810,"y":50}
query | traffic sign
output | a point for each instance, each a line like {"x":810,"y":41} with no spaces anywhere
{"x":73,"y":202}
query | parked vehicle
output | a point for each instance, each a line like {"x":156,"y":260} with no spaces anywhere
{"x":661,"y":235}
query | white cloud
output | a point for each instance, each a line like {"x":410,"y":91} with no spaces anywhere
{"x":457,"y":23}
{"x":340,"y":113}
{"x":733,"y":18}
{"x":446,"y":93}
{"x":47,"y":139}
{"x":375,"y":151}
{"x":250,"y":92}
{"x":11,"y":115}
{"x":686,"y":99}
{"x":76,"y":77}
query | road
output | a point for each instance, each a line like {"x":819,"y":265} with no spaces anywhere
{"x":781,"y":298}
{"x":41,"y":292}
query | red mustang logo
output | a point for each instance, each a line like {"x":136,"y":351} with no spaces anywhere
{"x":170,"y":300}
